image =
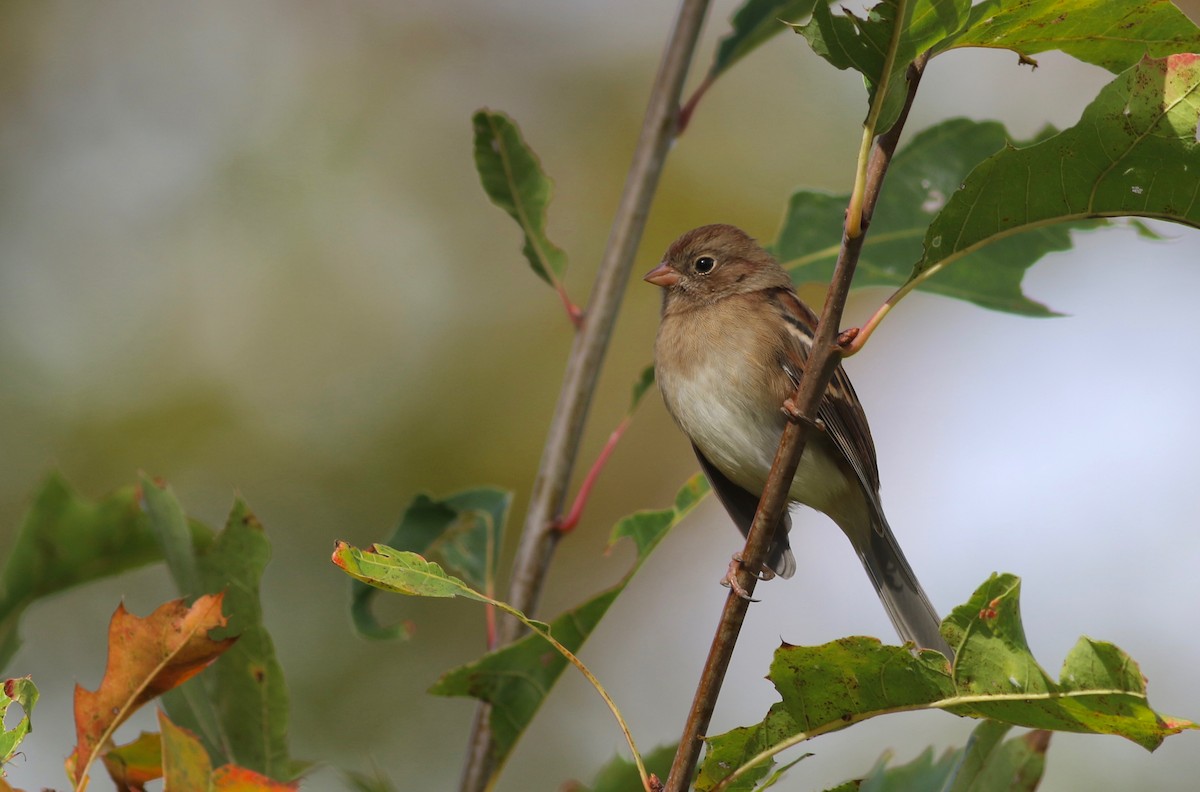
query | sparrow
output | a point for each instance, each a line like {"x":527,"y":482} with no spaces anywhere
{"x":730,"y":350}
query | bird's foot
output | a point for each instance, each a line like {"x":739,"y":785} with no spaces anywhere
{"x":789,"y":410}
{"x":730,"y":581}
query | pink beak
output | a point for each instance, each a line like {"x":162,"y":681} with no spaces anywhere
{"x":663,"y":275}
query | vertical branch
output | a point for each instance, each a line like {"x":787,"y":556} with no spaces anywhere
{"x":822,"y":362}
{"x":538,"y":537}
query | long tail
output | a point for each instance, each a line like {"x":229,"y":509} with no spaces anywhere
{"x":901,"y":593}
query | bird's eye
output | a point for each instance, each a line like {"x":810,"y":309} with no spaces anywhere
{"x":705,"y":264}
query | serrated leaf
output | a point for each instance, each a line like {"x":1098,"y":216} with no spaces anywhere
{"x":872,"y":47}
{"x":753,"y":23}
{"x":516,"y":679}
{"x":464,"y":531}
{"x":923,"y":175}
{"x":64,"y":541}
{"x":246,"y":687}
{"x":830,"y":687}
{"x":22,"y":692}
{"x":1133,"y":153}
{"x":146,"y":658}
{"x":1114,"y":34}
{"x":513,"y":179}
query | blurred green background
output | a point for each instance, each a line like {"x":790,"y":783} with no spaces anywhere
{"x":242,"y":247}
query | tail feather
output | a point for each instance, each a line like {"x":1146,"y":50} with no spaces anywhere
{"x":902,"y":596}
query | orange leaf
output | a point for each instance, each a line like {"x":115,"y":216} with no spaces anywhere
{"x":146,"y":658}
{"x":231,"y":778}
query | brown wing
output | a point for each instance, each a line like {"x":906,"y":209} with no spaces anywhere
{"x":839,"y":410}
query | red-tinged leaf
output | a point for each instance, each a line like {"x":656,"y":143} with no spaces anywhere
{"x":146,"y":657}
{"x":185,"y":763}
{"x":135,"y":764}
{"x":22,"y":692}
{"x":231,"y":778}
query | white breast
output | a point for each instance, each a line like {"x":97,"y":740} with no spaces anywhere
{"x":724,"y":413}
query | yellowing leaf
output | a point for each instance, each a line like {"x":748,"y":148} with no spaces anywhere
{"x":146,"y":657}
{"x":185,"y":763}
{"x":135,"y":764}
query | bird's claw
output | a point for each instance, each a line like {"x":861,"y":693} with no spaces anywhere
{"x":730,"y":581}
{"x":793,"y":415}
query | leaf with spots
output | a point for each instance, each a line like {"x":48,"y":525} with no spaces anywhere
{"x":1133,"y":153}
{"x":146,"y":658}
{"x":246,"y":685}
{"x":1114,"y":35}
{"x":826,"y":688}
{"x":22,"y":692}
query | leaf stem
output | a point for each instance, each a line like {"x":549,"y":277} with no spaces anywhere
{"x":568,"y":523}
{"x":854,"y":213}
{"x":538,"y":537}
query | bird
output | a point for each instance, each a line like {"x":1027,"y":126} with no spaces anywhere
{"x":730,"y":349}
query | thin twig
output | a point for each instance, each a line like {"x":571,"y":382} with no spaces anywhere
{"x":538,"y":537}
{"x":568,"y":523}
{"x":822,"y":362}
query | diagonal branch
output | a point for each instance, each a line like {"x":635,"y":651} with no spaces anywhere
{"x":822,"y":362}
{"x":538,"y":537}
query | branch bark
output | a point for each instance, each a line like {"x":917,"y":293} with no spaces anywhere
{"x":538,"y":536}
{"x":822,"y":362}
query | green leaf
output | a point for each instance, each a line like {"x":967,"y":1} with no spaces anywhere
{"x":643,"y":384}
{"x":738,"y":747}
{"x":829,"y":687}
{"x":23,"y":692}
{"x":1114,"y":34}
{"x":171,"y":527}
{"x":246,"y":684}
{"x":134,"y":764}
{"x":513,"y":179}
{"x":985,"y":763}
{"x":753,"y":24}
{"x":464,"y":531}
{"x":621,"y":775}
{"x":922,"y":176}
{"x":516,"y":679}
{"x":1133,"y":153}
{"x":64,"y":541}
{"x":376,"y":782}
{"x":864,"y":44}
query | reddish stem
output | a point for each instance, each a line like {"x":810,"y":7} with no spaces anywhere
{"x":574,"y":313}
{"x":685,"y":112}
{"x":568,"y":523}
